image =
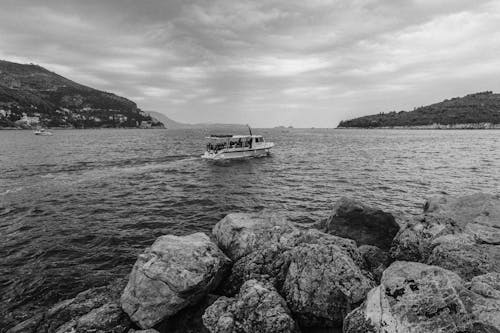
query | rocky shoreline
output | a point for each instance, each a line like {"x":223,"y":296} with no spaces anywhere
{"x":360,"y":271}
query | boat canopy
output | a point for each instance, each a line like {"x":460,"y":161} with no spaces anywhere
{"x":229,"y":137}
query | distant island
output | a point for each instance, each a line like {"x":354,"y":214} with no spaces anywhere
{"x":172,"y":124}
{"x":475,"y":111}
{"x":32,"y":96}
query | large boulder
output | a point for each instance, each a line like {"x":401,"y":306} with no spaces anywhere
{"x":463,"y":255}
{"x":418,"y":298}
{"x":96,"y":310}
{"x":462,"y":209}
{"x":484,"y":302}
{"x":415,"y":241}
{"x":271,"y":262}
{"x":320,"y":276}
{"x":461,"y":234}
{"x":258,"y":308}
{"x":172,"y":274}
{"x":478,"y":214}
{"x":239,"y":234}
{"x":323,"y":284}
{"x":366,"y":225}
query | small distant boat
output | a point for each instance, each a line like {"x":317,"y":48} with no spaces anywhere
{"x":43,"y":132}
{"x":225,"y":147}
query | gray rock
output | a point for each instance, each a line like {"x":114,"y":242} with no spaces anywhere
{"x":150,"y":330}
{"x":323,"y":283}
{"x":463,"y":209}
{"x":485,"y":228}
{"x":272,"y":263}
{"x":484,"y":302}
{"x":414,"y":241}
{"x":96,"y":310}
{"x":418,"y":298}
{"x":461,"y":254}
{"x":320,"y":276}
{"x":29,"y":325}
{"x":239,"y":234}
{"x":461,"y":234}
{"x":365,"y":225}
{"x":109,"y":318}
{"x":172,"y":274}
{"x":258,"y":308}
{"x":376,"y":260}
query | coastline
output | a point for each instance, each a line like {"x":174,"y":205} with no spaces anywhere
{"x":75,"y":128}
{"x":340,"y":274}
{"x":465,"y":126}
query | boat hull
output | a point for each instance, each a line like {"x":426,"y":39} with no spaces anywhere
{"x":229,"y":154}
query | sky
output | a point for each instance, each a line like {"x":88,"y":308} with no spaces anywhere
{"x":265,"y":63}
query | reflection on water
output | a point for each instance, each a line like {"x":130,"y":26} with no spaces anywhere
{"x":77,"y":207}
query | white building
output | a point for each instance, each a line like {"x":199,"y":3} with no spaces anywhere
{"x":30,"y":120}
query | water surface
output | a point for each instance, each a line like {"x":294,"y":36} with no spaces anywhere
{"x":76,"y":208}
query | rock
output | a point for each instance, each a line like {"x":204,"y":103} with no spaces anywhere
{"x":323,"y":284}
{"x":485,"y":301}
{"x":188,"y":320}
{"x":239,"y":234}
{"x":463,"y":209}
{"x":319,"y":275}
{"x":485,"y":228}
{"x":414,"y":241}
{"x":376,"y":260}
{"x":172,"y":274}
{"x":266,"y":264}
{"x":365,"y":225}
{"x":414,"y":297}
{"x":257,"y":308}
{"x":271,"y":263}
{"x":461,"y":234}
{"x":29,"y":325}
{"x":461,"y":254}
{"x":108,"y":318}
{"x":478,"y":214}
{"x":150,"y":330}
{"x":96,"y":310}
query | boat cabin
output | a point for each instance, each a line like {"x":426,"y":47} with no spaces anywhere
{"x":233,"y":142}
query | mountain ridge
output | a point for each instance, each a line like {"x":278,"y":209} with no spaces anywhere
{"x":32,"y":95}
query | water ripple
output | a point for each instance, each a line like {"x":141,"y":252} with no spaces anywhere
{"x":77,"y":208}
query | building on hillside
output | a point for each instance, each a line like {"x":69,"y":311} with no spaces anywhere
{"x":32,"y":121}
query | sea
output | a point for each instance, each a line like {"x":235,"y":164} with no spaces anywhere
{"x":76,"y":208}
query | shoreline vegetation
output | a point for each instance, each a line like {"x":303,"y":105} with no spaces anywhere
{"x":361,"y":270}
{"x":475,"y":111}
{"x":469,"y":126}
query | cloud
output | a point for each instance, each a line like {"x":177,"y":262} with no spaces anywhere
{"x":304,"y":63}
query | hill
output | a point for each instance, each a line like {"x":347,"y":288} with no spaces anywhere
{"x":479,"y":110}
{"x":32,"y":95}
{"x":168,"y":122}
{"x":172,"y":124}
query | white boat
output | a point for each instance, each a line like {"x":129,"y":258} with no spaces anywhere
{"x":42,"y":131}
{"x":225,"y":147}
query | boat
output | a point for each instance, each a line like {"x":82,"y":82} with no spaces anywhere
{"x":43,"y":132}
{"x":226,"y":147}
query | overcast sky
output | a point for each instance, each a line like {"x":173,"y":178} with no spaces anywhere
{"x":274,"y":62}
